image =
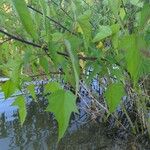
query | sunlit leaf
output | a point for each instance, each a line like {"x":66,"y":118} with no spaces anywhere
{"x":62,"y":103}
{"x":8,"y":88}
{"x":25,"y":17}
{"x":52,"y":87}
{"x":104,"y":31}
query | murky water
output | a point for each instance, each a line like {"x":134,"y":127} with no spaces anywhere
{"x":39,"y":131}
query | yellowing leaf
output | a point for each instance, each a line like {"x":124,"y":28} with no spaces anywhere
{"x":62,"y":103}
{"x":20,"y":102}
{"x":100,"y":45}
{"x":113,"y":95}
{"x":82,"y":63}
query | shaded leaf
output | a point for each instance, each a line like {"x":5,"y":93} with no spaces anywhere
{"x":114,"y":6}
{"x":145,"y":15}
{"x":133,"y":57}
{"x":44,"y":64}
{"x":20,"y":102}
{"x":84,"y":22}
{"x":75,"y":63}
{"x":113,"y":95}
{"x":31,"y":89}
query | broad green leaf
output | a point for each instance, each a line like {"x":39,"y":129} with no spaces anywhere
{"x":8,"y":88}
{"x":45,"y":8}
{"x":145,"y":15}
{"x":84,"y":22}
{"x":62,"y":103}
{"x":137,"y":3}
{"x":25,"y":17}
{"x":31,"y":89}
{"x":16,"y":71}
{"x":113,"y":95}
{"x":75,"y":63}
{"x":104,"y":31}
{"x":118,"y":73}
{"x":115,"y":28}
{"x":133,"y":56}
{"x":52,"y":87}
{"x":114,"y":5}
{"x":57,"y":36}
{"x":134,"y":2}
{"x":90,"y":2}
{"x":122,"y":13}
{"x":20,"y":102}
{"x":44,"y":64}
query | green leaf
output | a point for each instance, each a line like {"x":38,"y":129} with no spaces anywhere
{"x":114,"y":6}
{"x":8,"y":88}
{"x":115,"y":28}
{"x":104,"y":31}
{"x":75,"y":63}
{"x":113,"y":95}
{"x":134,"y":2}
{"x":84,"y":22}
{"x":31,"y":89}
{"x":52,"y":87}
{"x":44,"y":64}
{"x":45,"y":8}
{"x":133,"y":57}
{"x":57,"y":36}
{"x":145,"y":15}
{"x":25,"y":17}
{"x":20,"y":102}
{"x":62,"y":103}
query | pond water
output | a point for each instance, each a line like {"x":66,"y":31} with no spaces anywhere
{"x":39,"y":131}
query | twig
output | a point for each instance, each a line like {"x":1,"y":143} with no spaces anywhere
{"x":62,"y":10}
{"x":44,"y":48}
{"x":63,"y":27}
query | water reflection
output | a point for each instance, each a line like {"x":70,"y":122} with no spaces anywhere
{"x":39,"y":131}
